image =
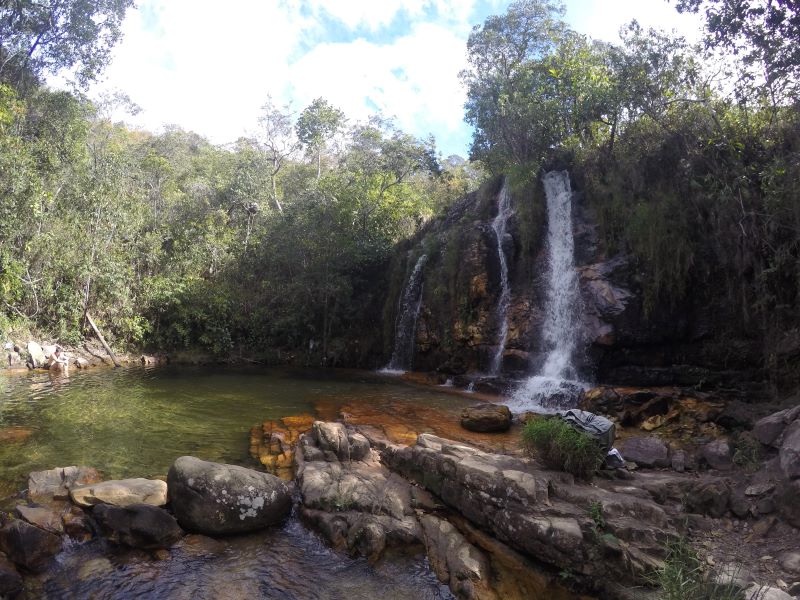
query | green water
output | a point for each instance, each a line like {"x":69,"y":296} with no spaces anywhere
{"x":135,"y":422}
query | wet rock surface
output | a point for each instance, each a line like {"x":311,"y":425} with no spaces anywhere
{"x":28,"y":546}
{"x":541,"y":513}
{"x":56,"y":483}
{"x":217,"y":499}
{"x":121,"y":492}
{"x":486,"y":418}
{"x":139,"y":525}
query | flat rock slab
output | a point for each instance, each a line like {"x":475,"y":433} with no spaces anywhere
{"x":56,"y":483}
{"x":121,"y":492}
{"x":218,"y":499}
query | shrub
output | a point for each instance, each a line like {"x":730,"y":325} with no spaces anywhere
{"x":559,"y":446}
{"x":683,"y":576}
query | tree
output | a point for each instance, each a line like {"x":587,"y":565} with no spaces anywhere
{"x":48,"y":36}
{"x":277,"y":142}
{"x":317,"y":125}
{"x":764,"y":33}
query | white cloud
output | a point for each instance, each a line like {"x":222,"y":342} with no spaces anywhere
{"x":414,"y":78}
{"x":603,"y":19}
{"x":210,"y":69}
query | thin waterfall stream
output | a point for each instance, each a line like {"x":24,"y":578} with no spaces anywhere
{"x":557,"y":383}
{"x":406,"y":324}
{"x":499,"y":226}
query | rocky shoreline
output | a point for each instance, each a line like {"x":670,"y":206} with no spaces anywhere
{"x":492,"y":525}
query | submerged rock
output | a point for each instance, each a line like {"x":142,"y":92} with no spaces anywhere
{"x":121,"y":492}
{"x":486,"y":418}
{"x":27,"y":545}
{"x":15,"y":435}
{"x":139,"y":525}
{"x":219,"y":499}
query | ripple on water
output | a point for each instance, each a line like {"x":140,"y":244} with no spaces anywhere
{"x":287,"y":562}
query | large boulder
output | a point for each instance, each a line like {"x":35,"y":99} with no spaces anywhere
{"x":37,"y":354}
{"x":139,"y":525}
{"x":28,"y":546}
{"x":486,"y":418}
{"x":218,"y":499}
{"x":718,"y":455}
{"x":769,"y":430}
{"x":56,"y":483}
{"x":121,"y":492}
{"x":790,"y":451}
{"x":645,"y":451}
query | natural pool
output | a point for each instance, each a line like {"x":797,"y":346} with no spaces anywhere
{"x":134,"y":422}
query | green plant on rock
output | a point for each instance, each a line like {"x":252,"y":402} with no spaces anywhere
{"x":596,"y":514}
{"x":683,"y":576}
{"x":746,"y":452}
{"x":560,"y":446}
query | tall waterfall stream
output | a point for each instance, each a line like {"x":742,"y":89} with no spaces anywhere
{"x":406,"y":324}
{"x":556,"y":383}
{"x":499,"y":226}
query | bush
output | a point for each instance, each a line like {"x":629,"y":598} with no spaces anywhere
{"x":560,"y":446}
{"x":683,"y":576}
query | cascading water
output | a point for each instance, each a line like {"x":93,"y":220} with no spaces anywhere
{"x":557,"y":383}
{"x":499,"y":225}
{"x":406,"y":324}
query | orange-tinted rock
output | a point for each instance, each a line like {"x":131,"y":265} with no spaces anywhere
{"x":273,"y":442}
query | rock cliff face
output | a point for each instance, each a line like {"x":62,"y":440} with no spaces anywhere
{"x":696,"y":342}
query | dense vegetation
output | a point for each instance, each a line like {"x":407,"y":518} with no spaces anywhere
{"x":689,"y":156}
{"x":172,"y":242}
{"x":281,"y":241}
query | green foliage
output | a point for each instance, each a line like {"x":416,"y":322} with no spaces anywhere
{"x":596,"y":514}
{"x":47,"y":36}
{"x":683,"y":576}
{"x":763,"y":34}
{"x":562,"y":447}
{"x":747,"y":452}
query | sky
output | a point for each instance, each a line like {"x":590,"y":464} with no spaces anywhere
{"x":210,"y":69}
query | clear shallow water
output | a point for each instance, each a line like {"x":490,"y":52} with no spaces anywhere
{"x":287,"y":563}
{"x":136,"y":421}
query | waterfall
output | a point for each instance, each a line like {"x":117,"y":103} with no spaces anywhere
{"x":406,"y":323}
{"x":557,"y":384}
{"x":499,"y":225}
